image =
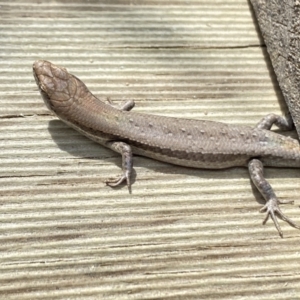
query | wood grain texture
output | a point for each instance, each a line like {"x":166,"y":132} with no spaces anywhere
{"x":182,"y":233}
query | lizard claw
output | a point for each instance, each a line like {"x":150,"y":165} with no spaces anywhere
{"x":118,"y":181}
{"x":115,"y":182}
{"x":272,"y":209}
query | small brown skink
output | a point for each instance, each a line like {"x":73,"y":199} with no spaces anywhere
{"x":185,"y":142}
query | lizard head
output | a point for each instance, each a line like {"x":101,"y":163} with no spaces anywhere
{"x":55,"y":84}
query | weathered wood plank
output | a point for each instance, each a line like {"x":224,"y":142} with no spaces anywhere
{"x":182,"y":233}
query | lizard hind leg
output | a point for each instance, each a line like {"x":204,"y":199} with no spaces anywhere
{"x":271,"y":207}
{"x":283,"y":123}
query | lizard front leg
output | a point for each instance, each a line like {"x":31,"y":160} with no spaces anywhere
{"x":271,"y":207}
{"x":122,"y":148}
{"x":126,"y":106}
{"x":127,"y":163}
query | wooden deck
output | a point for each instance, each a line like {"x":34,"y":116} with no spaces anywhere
{"x":182,"y":233}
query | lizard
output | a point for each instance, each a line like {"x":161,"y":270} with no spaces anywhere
{"x":184,"y":142}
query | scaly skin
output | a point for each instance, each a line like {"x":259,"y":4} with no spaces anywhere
{"x":185,"y":142}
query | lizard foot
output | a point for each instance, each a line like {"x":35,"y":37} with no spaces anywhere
{"x":118,"y":181}
{"x":272,"y":209}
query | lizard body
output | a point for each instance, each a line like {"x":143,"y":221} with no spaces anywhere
{"x":185,"y":142}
